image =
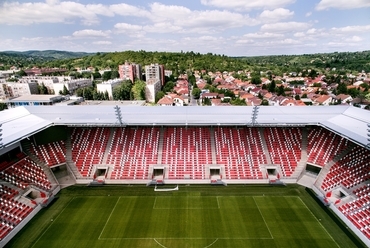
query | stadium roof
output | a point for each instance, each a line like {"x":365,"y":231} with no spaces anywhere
{"x":21,"y":122}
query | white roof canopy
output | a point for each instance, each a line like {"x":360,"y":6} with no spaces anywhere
{"x":21,"y":122}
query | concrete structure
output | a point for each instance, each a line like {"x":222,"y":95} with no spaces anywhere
{"x":109,"y":86}
{"x":129,"y":71}
{"x":34,"y":100}
{"x":72,"y":85}
{"x":16,"y":89}
{"x":154,"y":72}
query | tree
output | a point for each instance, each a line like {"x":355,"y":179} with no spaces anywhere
{"x":207,"y":101}
{"x":272,"y":86}
{"x":264,"y":102}
{"x":42,"y":89}
{"x":342,"y":88}
{"x":196,"y":93}
{"x":297,"y":97}
{"x":3,"y":106}
{"x":168,"y":87}
{"x":256,"y":80}
{"x":138,"y":90}
{"x":65,"y":90}
{"x":123,"y":92}
{"x":107,"y":75}
{"x":159,"y":95}
{"x":114,"y":74}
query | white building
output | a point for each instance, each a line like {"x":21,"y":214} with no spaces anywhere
{"x":152,"y":87}
{"x":16,"y":89}
{"x":72,"y":84}
{"x":109,"y":86}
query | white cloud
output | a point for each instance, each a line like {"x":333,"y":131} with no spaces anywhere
{"x":285,"y":27}
{"x":354,"y":39}
{"x":308,"y":14}
{"x":15,"y":13}
{"x":250,"y":4}
{"x":124,"y":9}
{"x":102,"y":42}
{"x":262,"y":35}
{"x":351,"y":29}
{"x":342,"y":4}
{"x":90,"y":33}
{"x":275,"y":15}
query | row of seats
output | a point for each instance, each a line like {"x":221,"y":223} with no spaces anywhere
{"x":88,"y":148}
{"x":323,"y":145}
{"x":24,"y":173}
{"x":284,"y":146}
{"x":53,"y":153}
{"x":131,"y":152}
{"x":358,"y":210}
{"x":12,"y":212}
{"x":186,"y":150}
{"x":241,"y":151}
{"x":349,"y":171}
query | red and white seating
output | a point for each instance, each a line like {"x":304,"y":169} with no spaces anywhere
{"x":323,"y":145}
{"x":12,"y":212}
{"x":241,"y":151}
{"x":24,"y":173}
{"x":186,"y":151}
{"x":132,"y":151}
{"x":358,"y":210}
{"x":52,"y":153}
{"x":284,"y":145}
{"x":349,"y":171}
{"x":88,"y":148}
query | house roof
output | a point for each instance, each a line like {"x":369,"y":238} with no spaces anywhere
{"x":21,"y":122}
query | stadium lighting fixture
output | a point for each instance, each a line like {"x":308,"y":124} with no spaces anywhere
{"x":254,"y":115}
{"x":117,"y":111}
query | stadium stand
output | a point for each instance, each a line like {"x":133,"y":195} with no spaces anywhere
{"x":88,"y":147}
{"x":186,"y":150}
{"x":51,"y":154}
{"x":25,"y":173}
{"x":241,"y":151}
{"x":131,"y":152}
{"x":284,"y":146}
{"x":349,"y":171}
{"x":323,"y":145}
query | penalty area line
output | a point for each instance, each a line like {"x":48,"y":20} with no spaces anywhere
{"x":115,"y":205}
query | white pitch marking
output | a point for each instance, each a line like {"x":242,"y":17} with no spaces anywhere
{"x":272,"y":237}
{"x":109,"y":217}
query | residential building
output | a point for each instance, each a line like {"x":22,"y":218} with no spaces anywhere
{"x":155,"y":72}
{"x":16,"y":89}
{"x":109,"y":86}
{"x":129,"y":71}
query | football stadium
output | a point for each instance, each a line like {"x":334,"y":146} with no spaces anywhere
{"x":134,"y":176}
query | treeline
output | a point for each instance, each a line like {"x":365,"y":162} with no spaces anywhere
{"x":182,"y":62}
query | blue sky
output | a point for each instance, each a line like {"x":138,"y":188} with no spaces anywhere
{"x":230,"y":27}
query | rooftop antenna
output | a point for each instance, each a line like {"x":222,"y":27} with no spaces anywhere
{"x":368,"y":135}
{"x":1,"y":139}
{"x":255,"y":115}
{"x":118,"y":113}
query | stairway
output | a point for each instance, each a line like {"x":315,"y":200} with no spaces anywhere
{"x":302,"y":163}
{"x":213,"y":146}
{"x":160,"y":146}
{"x":107,"y":148}
{"x":264,"y":145}
{"x":69,"y":162}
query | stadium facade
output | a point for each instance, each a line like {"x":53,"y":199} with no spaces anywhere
{"x":325,"y":148}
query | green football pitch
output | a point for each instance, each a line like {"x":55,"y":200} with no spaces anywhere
{"x":193,"y":216}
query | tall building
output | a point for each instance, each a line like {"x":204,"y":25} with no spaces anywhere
{"x":129,"y":71}
{"x":155,"y":72}
{"x":154,"y":75}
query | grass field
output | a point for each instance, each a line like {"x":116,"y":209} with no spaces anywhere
{"x":194,"y":216}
